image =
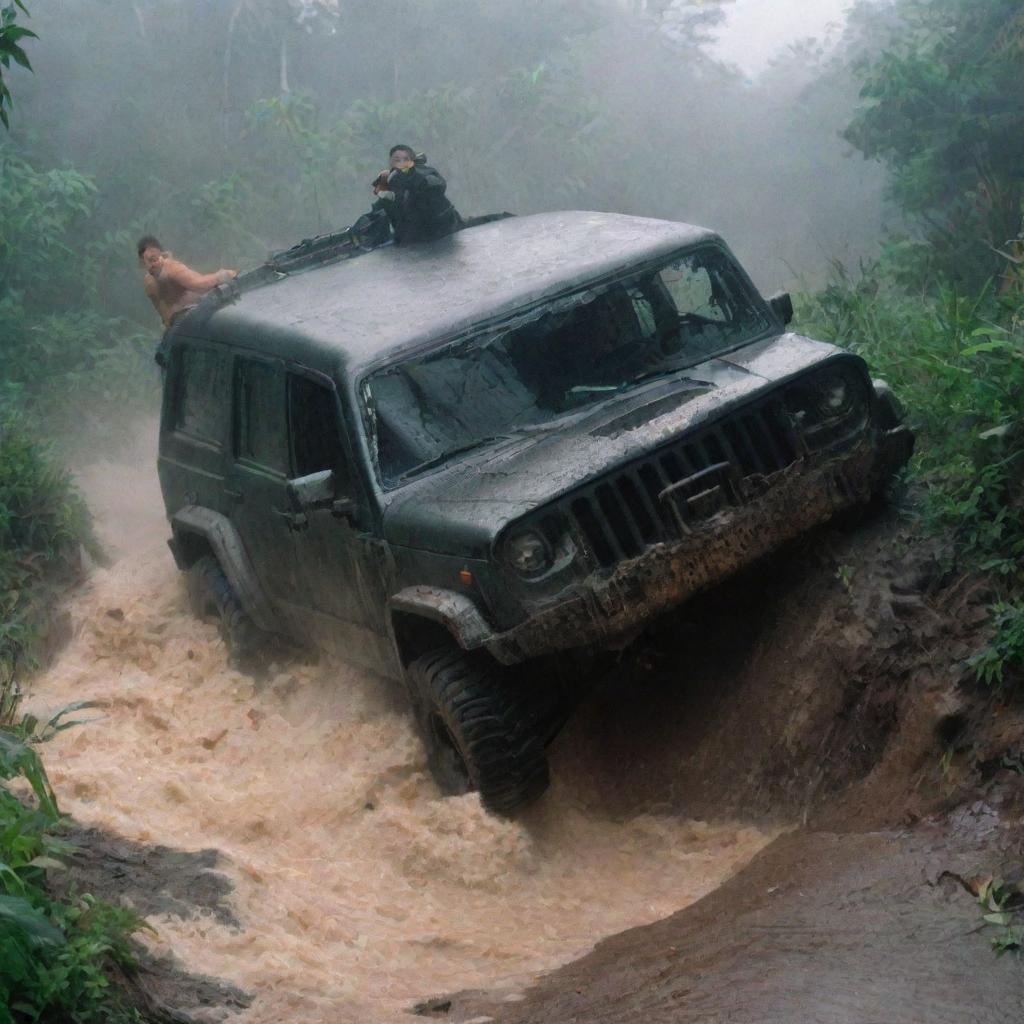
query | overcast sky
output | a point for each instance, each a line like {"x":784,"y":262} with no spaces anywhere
{"x":758,"y":29}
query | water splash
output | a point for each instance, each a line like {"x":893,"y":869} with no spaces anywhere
{"x":359,"y":890}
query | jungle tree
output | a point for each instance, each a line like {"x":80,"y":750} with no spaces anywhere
{"x":10,"y":34}
{"x":943,"y":108}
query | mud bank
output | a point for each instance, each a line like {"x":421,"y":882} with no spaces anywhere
{"x":828,"y":688}
{"x":821,"y":928}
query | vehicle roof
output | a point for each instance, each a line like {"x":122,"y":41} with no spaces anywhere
{"x":394,"y":299}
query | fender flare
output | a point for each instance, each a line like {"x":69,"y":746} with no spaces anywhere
{"x":456,"y":612}
{"x":216,"y":529}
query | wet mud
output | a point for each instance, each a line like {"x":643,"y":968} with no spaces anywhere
{"x":828,"y":688}
{"x":152,"y":879}
{"x":821,"y":928}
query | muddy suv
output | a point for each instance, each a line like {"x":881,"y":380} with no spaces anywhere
{"x":454,"y":462}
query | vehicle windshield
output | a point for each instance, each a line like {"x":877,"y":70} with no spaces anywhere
{"x":555,"y":360}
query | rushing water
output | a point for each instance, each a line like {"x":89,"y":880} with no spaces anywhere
{"x":358,"y":889}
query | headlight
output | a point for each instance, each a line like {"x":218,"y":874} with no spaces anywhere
{"x":528,"y":553}
{"x":834,"y":395}
{"x":828,"y":396}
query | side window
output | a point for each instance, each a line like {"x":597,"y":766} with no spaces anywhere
{"x":315,"y":431}
{"x":261,"y":434}
{"x":201,"y":396}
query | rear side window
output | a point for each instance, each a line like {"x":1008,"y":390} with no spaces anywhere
{"x":315,"y":431}
{"x":261,"y":430}
{"x":202,"y":394}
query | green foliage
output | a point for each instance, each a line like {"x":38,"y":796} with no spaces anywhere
{"x":55,"y":954}
{"x":40,"y":210}
{"x":943,"y":108}
{"x":43,"y":525}
{"x":11,"y":33}
{"x":957,"y":362}
{"x":63,"y":357}
{"x":1005,"y":649}
{"x":1002,"y":908}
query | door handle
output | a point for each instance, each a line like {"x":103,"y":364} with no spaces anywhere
{"x":296,"y":521}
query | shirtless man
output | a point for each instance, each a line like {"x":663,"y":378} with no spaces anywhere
{"x":171,"y":286}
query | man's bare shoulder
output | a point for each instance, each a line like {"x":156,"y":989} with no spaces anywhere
{"x":172,"y":268}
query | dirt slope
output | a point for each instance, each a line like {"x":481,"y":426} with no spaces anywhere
{"x":834,"y":668}
{"x":820,"y":690}
{"x":820,"y":929}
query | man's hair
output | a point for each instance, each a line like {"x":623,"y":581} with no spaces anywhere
{"x":148,"y":242}
{"x":408,"y":149}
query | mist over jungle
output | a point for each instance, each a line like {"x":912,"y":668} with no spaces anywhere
{"x":232,"y":127}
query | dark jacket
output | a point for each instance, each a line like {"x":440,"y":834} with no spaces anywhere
{"x":420,"y":210}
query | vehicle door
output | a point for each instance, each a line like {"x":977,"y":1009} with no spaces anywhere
{"x":339,"y":564}
{"x":257,"y":483}
{"x":195,"y":427}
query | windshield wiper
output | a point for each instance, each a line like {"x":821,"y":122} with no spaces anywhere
{"x":665,"y":371}
{"x":439,"y":460}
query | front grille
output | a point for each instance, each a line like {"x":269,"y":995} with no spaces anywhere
{"x":623,"y":514}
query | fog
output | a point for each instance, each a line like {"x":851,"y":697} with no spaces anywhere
{"x":233,"y":127}
{"x":755,"y":32}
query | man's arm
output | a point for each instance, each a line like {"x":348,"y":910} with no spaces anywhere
{"x":151,"y":290}
{"x":186,"y":277}
{"x":149,"y":285}
{"x":424,"y":178}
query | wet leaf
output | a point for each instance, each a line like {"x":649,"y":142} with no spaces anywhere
{"x":1002,"y":920}
{"x":48,"y":863}
{"x":22,"y":915}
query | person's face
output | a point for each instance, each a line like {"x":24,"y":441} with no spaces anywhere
{"x":401,"y":160}
{"x":151,"y":259}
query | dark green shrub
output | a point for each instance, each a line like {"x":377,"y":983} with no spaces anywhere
{"x":957,"y":363}
{"x":43,"y":526}
{"x":55,"y":955}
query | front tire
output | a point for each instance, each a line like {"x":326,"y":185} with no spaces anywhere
{"x":211,"y":595}
{"x":481,"y":731}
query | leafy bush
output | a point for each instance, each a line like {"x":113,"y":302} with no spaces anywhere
{"x":1006,"y":646}
{"x":957,"y":362}
{"x":1002,"y":907}
{"x":62,"y":355}
{"x":43,"y":526}
{"x":55,"y":955}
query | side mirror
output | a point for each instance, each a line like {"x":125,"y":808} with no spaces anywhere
{"x":318,"y":491}
{"x":782,"y":306}
{"x":313,"y":491}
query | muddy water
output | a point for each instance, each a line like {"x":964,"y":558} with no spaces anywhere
{"x":358,"y":890}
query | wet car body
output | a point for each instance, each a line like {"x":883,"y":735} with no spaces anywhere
{"x":608,"y":504}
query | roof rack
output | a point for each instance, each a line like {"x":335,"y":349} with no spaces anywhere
{"x":370,"y":232}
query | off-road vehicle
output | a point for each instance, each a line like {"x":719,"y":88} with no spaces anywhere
{"x":453,"y":461}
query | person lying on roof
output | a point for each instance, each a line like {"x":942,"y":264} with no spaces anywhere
{"x":170,"y":285}
{"x":412,"y":197}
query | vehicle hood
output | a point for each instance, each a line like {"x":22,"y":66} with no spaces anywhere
{"x":460,"y":509}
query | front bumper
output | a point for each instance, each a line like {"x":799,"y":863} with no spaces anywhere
{"x":612,"y":604}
